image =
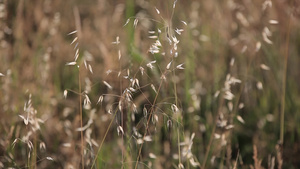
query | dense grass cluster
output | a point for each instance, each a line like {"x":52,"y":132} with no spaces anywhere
{"x":149,"y":84}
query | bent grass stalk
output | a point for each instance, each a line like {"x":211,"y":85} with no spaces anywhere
{"x":221,"y":101}
{"x":147,"y":126}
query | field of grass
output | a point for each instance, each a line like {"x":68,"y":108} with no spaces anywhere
{"x":149,"y":84}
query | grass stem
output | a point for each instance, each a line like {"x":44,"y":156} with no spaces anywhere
{"x":284,"y":82}
{"x":80,"y":109}
{"x":101,"y":144}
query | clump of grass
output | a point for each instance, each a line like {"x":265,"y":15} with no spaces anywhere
{"x":32,"y":123}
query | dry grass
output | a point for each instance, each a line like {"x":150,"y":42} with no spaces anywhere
{"x":149,"y":84}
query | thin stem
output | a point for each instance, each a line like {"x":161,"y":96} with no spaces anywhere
{"x":80,"y":109}
{"x":284,"y":83}
{"x":176,"y":103}
{"x":178,"y":140}
{"x":28,"y":160}
{"x":122,"y":112}
{"x":35,"y":146}
{"x":93,"y":164}
{"x":79,"y":35}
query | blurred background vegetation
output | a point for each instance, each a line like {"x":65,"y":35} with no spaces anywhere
{"x":261,"y":37}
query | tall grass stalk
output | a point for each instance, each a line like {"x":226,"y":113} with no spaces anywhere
{"x":284,"y":82}
{"x":176,"y":103}
{"x":122,"y":114}
{"x":34,"y":161}
{"x":80,"y":109}
{"x":78,"y":28}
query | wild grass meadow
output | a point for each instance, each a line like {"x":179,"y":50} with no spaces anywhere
{"x":149,"y":84}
